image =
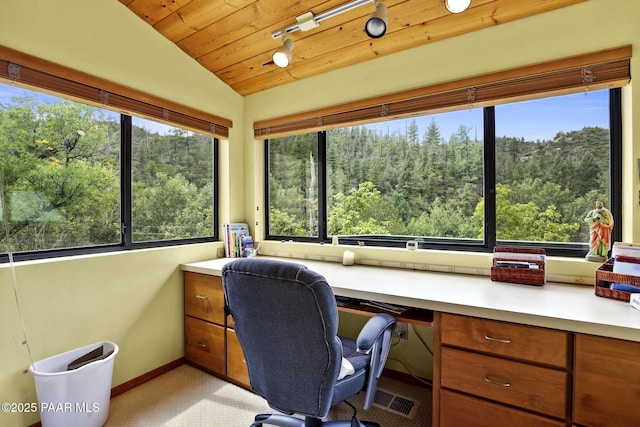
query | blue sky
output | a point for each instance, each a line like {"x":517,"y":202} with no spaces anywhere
{"x":533,"y":120}
{"x":539,"y":119}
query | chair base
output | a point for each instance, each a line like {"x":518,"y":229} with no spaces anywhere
{"x":289,"y":421}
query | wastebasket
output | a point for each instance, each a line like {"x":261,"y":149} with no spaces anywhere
{"x":74,"y":388}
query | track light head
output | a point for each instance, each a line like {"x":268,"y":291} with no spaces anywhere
{"x":376,"y":25}
{"x":282,"y":55}
{"x":457,"y":6}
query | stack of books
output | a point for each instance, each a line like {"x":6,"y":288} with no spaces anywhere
{"x":237,"y":240}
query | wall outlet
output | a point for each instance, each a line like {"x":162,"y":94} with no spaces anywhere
{"x":401,"y":330}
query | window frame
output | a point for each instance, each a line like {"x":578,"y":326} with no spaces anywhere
{"x":490,"y":224}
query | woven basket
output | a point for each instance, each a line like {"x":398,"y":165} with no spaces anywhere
{"x":525,"y":276}
{"x":605,"y":277}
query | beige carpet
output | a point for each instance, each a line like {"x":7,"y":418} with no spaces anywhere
{"x":187,"y":396}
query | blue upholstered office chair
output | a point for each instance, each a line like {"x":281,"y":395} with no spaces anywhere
{"x":286,"y":319}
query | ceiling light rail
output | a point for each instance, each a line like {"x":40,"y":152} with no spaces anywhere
{"x":375,"y":27}
{"x":307,"y":21}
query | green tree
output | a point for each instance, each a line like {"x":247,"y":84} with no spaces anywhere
{"x":361,"y":211}
{"x":526,"y":221}
{"x":59,"y":179}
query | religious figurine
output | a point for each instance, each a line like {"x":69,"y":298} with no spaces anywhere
{"x":600,"y":222}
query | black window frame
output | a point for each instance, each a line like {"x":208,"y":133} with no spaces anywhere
{"x":126,"y":241}
{"x":489,"y":241}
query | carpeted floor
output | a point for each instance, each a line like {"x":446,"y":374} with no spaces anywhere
{"x":187,"y":396}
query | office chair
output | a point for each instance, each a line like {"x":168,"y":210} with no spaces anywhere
{"x":286,"y":319}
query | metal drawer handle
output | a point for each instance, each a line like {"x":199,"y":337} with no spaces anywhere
{"x":488,"y":338}
{"x":494,"y":382}
{"x":202,"y":296}
{"x":201,"y":345}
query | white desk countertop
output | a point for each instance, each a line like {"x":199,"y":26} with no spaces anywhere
{"x":554,"y":305}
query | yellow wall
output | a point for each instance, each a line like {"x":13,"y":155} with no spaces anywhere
{"x":134,"y":298}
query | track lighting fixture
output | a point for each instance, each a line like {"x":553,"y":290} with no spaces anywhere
{"x":282,"y":56}
{"x":376,"y":25}
{"x":457,"y":6}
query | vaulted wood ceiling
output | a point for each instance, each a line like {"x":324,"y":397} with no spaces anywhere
{"x":232,"y":38}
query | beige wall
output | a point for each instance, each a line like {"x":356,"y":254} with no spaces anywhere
{"x":134,"y":298}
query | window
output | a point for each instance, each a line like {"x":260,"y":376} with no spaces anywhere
{"x":516,"y":173}
{"x":552,"y":164}
{"x":172,"y":182}
{"x":77,"y":178}
{"x":293,"y":186}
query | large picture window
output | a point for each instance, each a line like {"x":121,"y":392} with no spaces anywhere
{"x":77,"y":178}
{"x":516,"y":173}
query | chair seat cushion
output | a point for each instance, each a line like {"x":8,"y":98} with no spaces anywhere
{"x":350,"y":352}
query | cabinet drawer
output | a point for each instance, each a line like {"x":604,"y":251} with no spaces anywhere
{"x":457,"y":410}
{"x":538,"y":389}
{"x":607,"y":382}
{"x":204,"y":344}
{"x":528,"y":343}
{"x":204,"y":297}
{"x":236,"y":363}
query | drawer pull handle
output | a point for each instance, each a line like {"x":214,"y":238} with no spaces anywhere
{"x":201,"y":345}
{"x":494,"y":382}
{"x":488,"y":338}
{"x":202,"y":296}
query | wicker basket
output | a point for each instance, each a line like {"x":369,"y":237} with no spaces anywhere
{"x":605,"y":277}
{"x":525,"y":276}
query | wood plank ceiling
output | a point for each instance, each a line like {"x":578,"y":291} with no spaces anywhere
{"x":232,"y":38}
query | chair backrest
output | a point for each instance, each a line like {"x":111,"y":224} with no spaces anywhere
{"x":286,"y":319}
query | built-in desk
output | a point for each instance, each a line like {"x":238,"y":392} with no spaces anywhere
{"x":593,"y":333}
{"x":554,"y":305}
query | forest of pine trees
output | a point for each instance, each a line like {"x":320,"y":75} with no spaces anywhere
{"x":60,"y":181}
{"x":419,"y":183}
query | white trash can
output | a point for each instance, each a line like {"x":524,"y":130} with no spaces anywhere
{"x":76,"y":397}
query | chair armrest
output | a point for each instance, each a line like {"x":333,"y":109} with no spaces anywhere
{"x":372,"y":330}
{"x":375,"y":339}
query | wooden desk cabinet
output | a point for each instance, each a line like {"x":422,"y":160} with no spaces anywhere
{"x":494,"y":374}
{"x":210,"y":341}
{"x":607,"y":382}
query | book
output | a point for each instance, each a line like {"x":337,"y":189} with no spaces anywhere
{"x":626,"y":265}
{"x":246,"y":245}
{"x":631,"y":250}
{"x":233,"y":233}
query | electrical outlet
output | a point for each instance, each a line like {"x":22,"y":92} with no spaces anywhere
{"x":401,"y":330}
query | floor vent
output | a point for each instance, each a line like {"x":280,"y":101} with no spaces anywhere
{"x":395,"y":403}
